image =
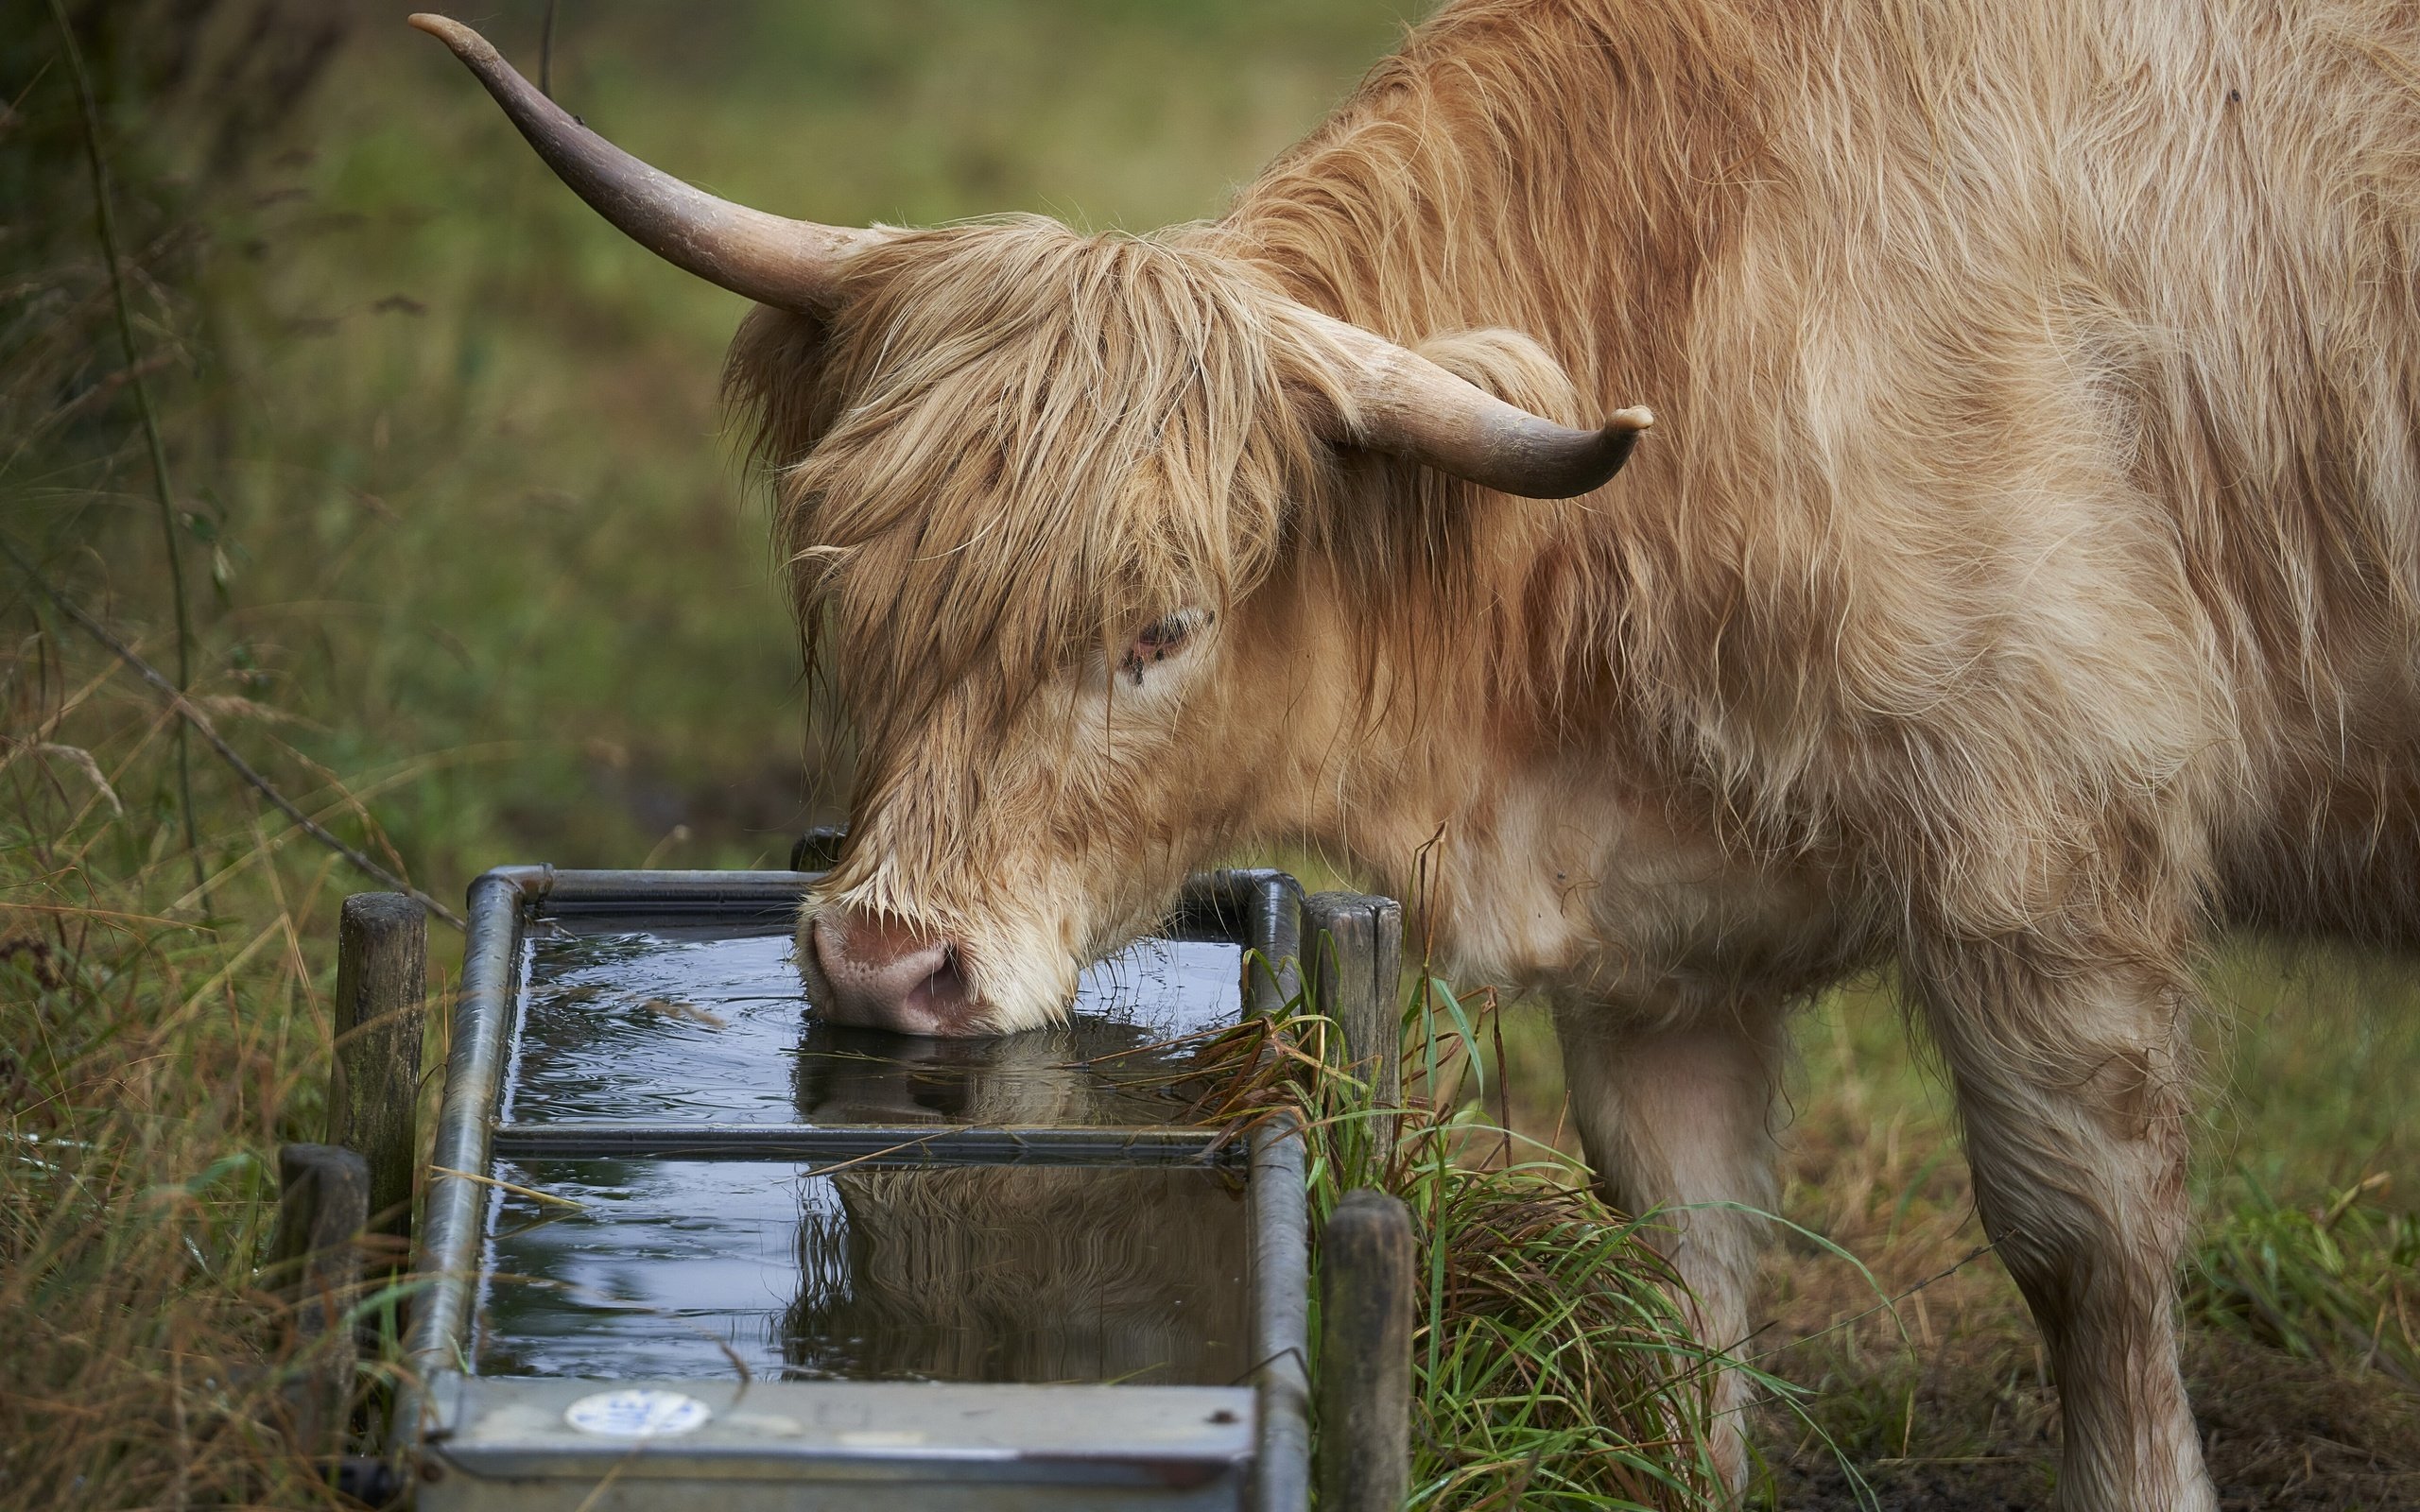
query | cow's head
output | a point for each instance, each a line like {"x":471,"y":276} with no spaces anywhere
{"x":1032,"y":485}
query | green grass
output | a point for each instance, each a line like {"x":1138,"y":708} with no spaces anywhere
{"x":2336,"y":1281}
{"x":2305,"y":1158}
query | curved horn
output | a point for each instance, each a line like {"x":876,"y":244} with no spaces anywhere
{"x":1411,"y":407}
{"x":793,"y":265}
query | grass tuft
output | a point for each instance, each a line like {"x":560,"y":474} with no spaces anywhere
{"x":1553,"y":1365}
{"x":2337,"y":1282}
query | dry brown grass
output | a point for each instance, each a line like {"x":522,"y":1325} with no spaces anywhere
{"x":155,"y":1055}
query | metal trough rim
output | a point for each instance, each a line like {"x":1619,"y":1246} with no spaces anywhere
{"x":864,"y":1144}
{"x":512,"y":1427}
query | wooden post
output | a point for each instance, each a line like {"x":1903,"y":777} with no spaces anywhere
{"x":1355,"y":946}
{"x":1364,"y":1399}
{"x":315,"y":1263}
{"x":373,"y":1095}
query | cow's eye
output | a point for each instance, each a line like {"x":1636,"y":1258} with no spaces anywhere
{"x":1165,"y":635}
{"x":1160,"y":640}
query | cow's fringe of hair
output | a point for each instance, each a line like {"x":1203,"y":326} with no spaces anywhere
{"x":1033,"y":441}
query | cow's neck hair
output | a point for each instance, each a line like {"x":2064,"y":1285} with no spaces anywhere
{"x":1561,"y":170}
{"x":1564,"y":170}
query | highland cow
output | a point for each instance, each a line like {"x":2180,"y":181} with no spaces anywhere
{"x":2023,"y":582}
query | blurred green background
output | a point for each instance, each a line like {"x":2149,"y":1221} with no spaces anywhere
{"x":458,"y":501}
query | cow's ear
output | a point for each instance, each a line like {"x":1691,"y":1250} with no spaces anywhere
{"x":771,"y":382}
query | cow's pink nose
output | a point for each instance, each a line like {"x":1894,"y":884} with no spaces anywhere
{"x":884,"y":975}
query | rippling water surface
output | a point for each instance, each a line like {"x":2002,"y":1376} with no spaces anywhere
{"x":696,"y":1023}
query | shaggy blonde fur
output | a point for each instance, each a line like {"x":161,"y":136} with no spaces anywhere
{"x":2021,"y":580}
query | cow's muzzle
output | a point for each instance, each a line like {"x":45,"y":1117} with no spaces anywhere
{"x":882,"y":974}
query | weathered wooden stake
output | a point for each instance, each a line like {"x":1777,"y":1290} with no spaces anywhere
{"x":314,"y":1262}
{"x":1364,"y":1455}
{"x":373,"y":1095}
{"x":1356,"y":944}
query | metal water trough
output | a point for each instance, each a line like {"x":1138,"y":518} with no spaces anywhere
{"x":487,"y":1431}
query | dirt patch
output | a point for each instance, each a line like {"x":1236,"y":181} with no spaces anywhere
{"x":1943,"y":1400}
{"x":2280,"y":1435}
{"x":2287,"y":1432}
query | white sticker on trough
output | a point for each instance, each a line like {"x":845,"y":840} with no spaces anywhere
{"x":638,"y":1413}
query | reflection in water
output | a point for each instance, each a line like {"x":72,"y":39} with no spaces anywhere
{"x":1092,"y":1073}
{"x":679,"y":1268}
{"x":1024,"y":1274}
{"x":664,"y":1267}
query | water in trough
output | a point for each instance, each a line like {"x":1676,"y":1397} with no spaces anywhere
{"x":1007,"y":1273}
{"x":701,"y":1024}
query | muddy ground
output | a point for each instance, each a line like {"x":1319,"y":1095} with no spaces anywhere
{"x":2279,"y":1433}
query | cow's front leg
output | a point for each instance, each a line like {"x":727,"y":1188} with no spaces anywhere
{"x":1680,"y":1117}
{"x":2072,"y":1085}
